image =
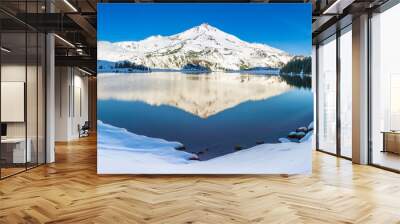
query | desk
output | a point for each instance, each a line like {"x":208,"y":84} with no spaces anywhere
{"x":391,"y":141}
{"x":19,"y":155}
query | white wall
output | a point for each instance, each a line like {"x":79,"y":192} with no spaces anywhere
{"x":14,"y":72}
{"x":62,"y":82}
{"x":80,"y":104}
{"x":71,"y":87}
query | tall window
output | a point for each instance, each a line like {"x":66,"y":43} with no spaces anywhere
{"x":346,"y":92}
{"x":327,"y":95}
{"x":385,"y":88}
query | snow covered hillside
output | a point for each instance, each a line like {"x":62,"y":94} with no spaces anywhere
{"x":122,"y":152}
{"x":203,"y":45}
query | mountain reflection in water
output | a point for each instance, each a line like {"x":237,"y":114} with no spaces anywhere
{"x":211,"y":114}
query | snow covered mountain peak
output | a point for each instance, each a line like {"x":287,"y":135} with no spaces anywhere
{"x":206,"y":30}
{"x":204,"y":46}
{"x":206,"y":27}
{"x":202,"y":29}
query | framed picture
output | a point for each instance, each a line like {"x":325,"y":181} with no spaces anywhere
{"x":204,"y":89}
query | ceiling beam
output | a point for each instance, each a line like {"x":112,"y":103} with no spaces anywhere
{"x":86,"y":26}
{"x":78,"y":61}
{"x":337,"y":7}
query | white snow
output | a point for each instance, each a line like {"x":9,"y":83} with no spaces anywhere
{"x":310,"y":126}
{"x":113,"y":138}
{"x":284,"y":140}
{"x":204,"y":45}
{"x":122,"y":152}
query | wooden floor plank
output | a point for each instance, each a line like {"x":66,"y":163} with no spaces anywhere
{"x":70,"y":191}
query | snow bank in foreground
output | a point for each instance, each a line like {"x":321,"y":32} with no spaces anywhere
{"x":122,"y":152}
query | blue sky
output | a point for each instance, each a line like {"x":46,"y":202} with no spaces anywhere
{"x":284,"y":26}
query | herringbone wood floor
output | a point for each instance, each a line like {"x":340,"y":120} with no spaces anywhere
{"x":70,"y":191}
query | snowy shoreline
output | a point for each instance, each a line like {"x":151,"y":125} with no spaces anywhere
{"x":123,"y":152}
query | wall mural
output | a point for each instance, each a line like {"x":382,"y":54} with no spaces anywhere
{"x":204,"y":89}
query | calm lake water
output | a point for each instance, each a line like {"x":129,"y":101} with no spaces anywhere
{"x":210,"y":114}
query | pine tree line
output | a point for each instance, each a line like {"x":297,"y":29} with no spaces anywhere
{"x":128,"y":64}
{"x":297,"y":65}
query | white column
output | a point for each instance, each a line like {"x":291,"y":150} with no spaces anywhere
{"x":360,"y":90}
{"x":50,"y":99}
